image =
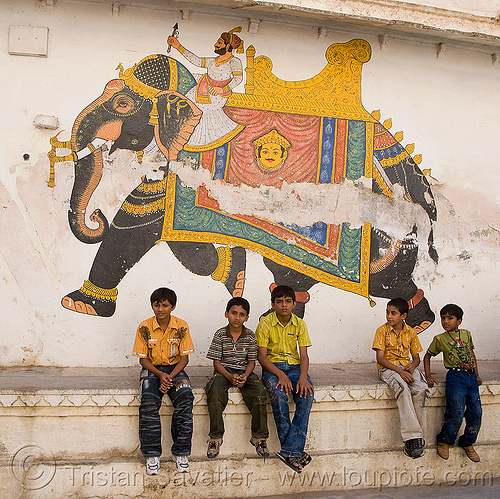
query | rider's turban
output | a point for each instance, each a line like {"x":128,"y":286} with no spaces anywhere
{"x":234,"y":40}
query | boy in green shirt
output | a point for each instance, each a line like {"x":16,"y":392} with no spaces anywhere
{"x":462,"y":383}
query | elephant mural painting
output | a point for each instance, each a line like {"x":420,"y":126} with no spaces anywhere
{"x":314,"y":131}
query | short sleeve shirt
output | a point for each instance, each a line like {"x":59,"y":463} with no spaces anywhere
{"x":457,"y":348}
{"x":163,"y":348}
{"x":396,"y":347}
{"x":235,"y":355}
{"x":281,"y":341}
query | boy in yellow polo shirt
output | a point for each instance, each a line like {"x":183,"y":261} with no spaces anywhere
{"x":163,"y":344}
{"x":393,"y":343}
{"x":285,"y":372}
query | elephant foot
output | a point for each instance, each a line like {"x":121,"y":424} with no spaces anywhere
{"x":91,"y":300}
{"x":231,"y":269}
{"x":420,"y":316}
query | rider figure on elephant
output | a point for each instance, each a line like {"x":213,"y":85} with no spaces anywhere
{"x":212,"y":90}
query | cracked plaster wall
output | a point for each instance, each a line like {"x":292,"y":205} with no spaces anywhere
{"x":447,"y":106}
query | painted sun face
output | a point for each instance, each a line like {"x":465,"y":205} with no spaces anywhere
{"x":271,"y":156}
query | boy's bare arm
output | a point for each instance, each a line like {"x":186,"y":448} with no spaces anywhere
{"x":413,"y":364}
{"x":266,"y":364}
{"x":303,"y":386}
{"x":180,"y":366}
{"x":249,"y":369}
{"x":427,"y":369}
{"x":479,"y":380}
{"x":393,"y":367}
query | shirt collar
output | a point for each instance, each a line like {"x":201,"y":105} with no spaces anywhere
{"x":275,"y":320}
{"x":403,"y":329}
{"x":242,"y":335}
{"x":171,"y":324}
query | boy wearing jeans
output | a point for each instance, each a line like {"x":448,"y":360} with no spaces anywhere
{"x":163,"y":344}
{"x":462,"y":383}
{"x":285,"y":372}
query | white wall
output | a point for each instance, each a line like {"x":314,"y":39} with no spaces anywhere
{"x":447,"y":106}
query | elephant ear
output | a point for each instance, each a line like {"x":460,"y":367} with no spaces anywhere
{"x":177,"y":118}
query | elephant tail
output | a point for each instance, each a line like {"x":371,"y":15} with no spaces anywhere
{"x":432,"y":249}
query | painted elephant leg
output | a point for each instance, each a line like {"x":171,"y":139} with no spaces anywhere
{"x":391,"y":267}
{"x":224,"y":264}
{"x":300,"y":283}
{"x":136,"y":228}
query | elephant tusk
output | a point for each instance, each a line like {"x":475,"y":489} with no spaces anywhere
{"x":74,"y":156}
{"x":54,"y":158}
{"x":90,"y":147}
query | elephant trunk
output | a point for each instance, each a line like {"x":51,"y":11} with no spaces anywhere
{"x":88,"y":172}
{"x":91,"y":129}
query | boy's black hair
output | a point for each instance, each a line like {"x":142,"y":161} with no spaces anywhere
{"x":401,"y":304}
{"x":238,"y":301}
{"x":162,"y":294}
{"x":452,"y":309}
{"x":282,"y":292}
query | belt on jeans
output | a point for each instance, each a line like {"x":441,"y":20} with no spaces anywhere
{"x":465,"y":370}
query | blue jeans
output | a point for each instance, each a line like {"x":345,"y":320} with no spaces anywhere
{"x":292,"y":434}
{"x":462,"y":399}
{"x":149,"y":414}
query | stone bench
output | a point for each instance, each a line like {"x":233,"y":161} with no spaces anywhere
{"x":85,"y":421}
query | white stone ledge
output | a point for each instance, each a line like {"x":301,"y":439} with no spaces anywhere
{"x":131,"y":398}
{"x":252,"y":477}
{"x":353,"y":429}
{"x":389,"y":14}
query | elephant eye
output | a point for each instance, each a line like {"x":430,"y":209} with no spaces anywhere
{"x":123,"y":104}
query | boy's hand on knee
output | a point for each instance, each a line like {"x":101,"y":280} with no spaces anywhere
{"x":284,"y":383}
{"x":406,"y":376}
{"x":304,"y":388}
{"x":409,"y":368}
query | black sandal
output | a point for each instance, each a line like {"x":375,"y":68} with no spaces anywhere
{"x":261,"y":448}
{"x":305,"y":459}
{"x":291,"y":461}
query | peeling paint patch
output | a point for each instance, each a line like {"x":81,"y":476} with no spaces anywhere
{"x":306,"y":204}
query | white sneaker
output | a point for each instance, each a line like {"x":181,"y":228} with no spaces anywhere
{"x":182,"y":464}
{"x":153,"y":466}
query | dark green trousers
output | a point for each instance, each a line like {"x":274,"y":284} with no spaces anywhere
{"x":255,"y":397}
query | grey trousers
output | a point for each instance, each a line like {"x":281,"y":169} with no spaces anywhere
{"x":410,"y":398}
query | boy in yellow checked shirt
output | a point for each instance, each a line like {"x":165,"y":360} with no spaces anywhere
{"x":163,"y":344}
{"x":393,"y":343}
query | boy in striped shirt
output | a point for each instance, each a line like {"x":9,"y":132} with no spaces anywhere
{"x":234,"y":352}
